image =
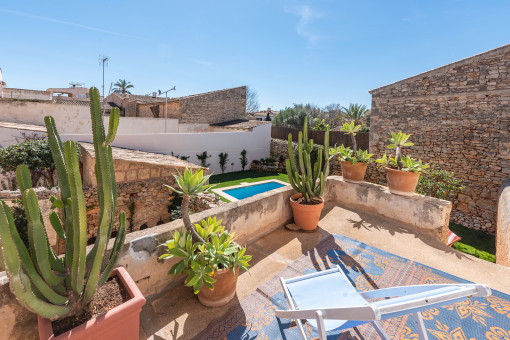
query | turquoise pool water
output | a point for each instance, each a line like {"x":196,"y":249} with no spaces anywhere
{"x":253,"y":190}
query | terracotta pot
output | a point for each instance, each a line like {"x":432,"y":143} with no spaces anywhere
{"x":354,"y":173}
{"x":306,"y":216}
{"x":402,"y":182}
{"x":223,"y":290}
{"x":122,"y":322}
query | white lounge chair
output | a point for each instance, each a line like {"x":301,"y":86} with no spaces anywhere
{"x":328,"y":301}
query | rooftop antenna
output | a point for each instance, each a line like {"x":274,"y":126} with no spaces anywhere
{"x":104,"y":61}
{"x":74,"y":84}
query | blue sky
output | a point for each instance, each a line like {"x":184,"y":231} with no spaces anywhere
{"x":317,"y":52}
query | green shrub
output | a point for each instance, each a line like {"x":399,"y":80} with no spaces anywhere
{"x":223,"y":161}
{"x":439,"y":183}
{"x":243,"y":159}
{"x":35,"y":154}
{"x":203,"y":159}
{"x":295,"y":116}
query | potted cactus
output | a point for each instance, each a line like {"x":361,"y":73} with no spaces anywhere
{"x":353,"y":162}
{"x":57,"y":288}
{"x":210,"y":258}
{"x":402,"y":173}
{"x":309,"y":182}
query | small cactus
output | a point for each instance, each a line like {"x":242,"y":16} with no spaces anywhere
{"x":304,"y":179}
{"x":57,"y":287}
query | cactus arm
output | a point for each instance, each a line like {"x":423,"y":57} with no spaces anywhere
{"x":326,"y":154}
{"x":292,"y":180}
{"x":117,"y":248}
{"x":23,"y":178}
{"x":111,"y":175}
{"x":37,"y":239}
{"x":321,"y":191}
{"x":112,"y":126}
{"x":57,"y":226}
{"x":300,"y":153}
{"x":79,"y":240}
{"x":57,"y":151}
{"x":102,"y":168}
{"x":12,"y":237}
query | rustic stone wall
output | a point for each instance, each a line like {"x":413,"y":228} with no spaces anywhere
{"x":459,"y":118}
{"x":214,"y":107}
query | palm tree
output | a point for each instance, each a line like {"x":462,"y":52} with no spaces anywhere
{"x":122,"y":86}
{"x":355,"y":112}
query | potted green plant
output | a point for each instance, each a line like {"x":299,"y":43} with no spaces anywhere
{"x":211,"y":266}
{"x":402,"y":173}
{"x":210,"y":258}
{"x":308,"y":181}
{"x":58,"y":288}
{"x":353,"y":161}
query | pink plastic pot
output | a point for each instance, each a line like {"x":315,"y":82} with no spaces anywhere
{"x":120,"y":323}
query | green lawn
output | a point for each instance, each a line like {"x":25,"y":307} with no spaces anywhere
{"x":475,"y":242}
{"x":235,"y":178}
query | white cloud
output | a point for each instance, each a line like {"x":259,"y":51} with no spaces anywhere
{"x":62,"y":22}
{"x":306,"y":14}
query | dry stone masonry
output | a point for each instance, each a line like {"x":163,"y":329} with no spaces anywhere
{"x":459,"y":117}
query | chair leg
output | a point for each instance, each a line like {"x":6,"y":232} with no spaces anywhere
{"x":420,"y":326}
{"x":320,"y":325}
{"x":380,"y":331}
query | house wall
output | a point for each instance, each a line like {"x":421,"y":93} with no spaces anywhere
{"x":459,"y":118}
{"x":214,"y":107}
{"x":256,"y":142}
{"x":6,"y":92}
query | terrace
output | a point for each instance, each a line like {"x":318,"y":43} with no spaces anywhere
{"x":364,"y":212}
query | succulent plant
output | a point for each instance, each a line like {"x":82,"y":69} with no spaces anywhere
{"x":304,"y":179}
{"x":190,"y":184}
{"x":52,"y":286}
{"x":200,"y":259}
{"x":403,"y":163}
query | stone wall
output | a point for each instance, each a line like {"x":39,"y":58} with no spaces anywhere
{"x":214,"y":107}
{"x":459,"y":118}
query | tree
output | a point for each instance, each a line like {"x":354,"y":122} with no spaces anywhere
{"x":122,"y":86}
{"x":295,"y":116}
{"x":252,"y":100}
{"x":355,"y":112}
{"x":223,"y":161}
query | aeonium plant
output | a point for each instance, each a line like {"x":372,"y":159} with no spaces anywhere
{"x":399,"y":140}
{"x":347,"y":154}
{"x":201,"y":259}
{"x":352,"y":155}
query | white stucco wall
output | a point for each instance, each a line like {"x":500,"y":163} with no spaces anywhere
{"x":255,"y":142}
{"x":75,"y":119}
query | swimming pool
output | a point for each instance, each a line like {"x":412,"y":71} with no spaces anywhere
{"x":245,"y":190}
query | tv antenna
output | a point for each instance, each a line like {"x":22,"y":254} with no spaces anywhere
{"x":103,"y":60}
{"x":166,"y":101}
{"x":74,"y":84}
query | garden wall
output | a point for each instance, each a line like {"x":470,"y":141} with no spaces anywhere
{"x":255,"y":141}
{"x":459,"y":118}
{"x":503,"y":235}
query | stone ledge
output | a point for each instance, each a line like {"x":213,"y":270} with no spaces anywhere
{"x":421,"y":213}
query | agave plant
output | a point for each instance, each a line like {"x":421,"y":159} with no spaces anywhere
{"x":190,"y":184}
{"x":351,"y":129}
{"x":200,"y":259}
{"x":57,"y":287}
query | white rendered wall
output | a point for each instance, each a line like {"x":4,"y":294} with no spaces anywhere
{"x":75,"y":119}
{"x":255,"y":142}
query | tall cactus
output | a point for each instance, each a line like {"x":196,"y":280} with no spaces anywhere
{"x":57,"y":287}
{"x":304,"y":179}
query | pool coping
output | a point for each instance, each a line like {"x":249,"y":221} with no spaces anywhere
{"x":220,"y":191}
